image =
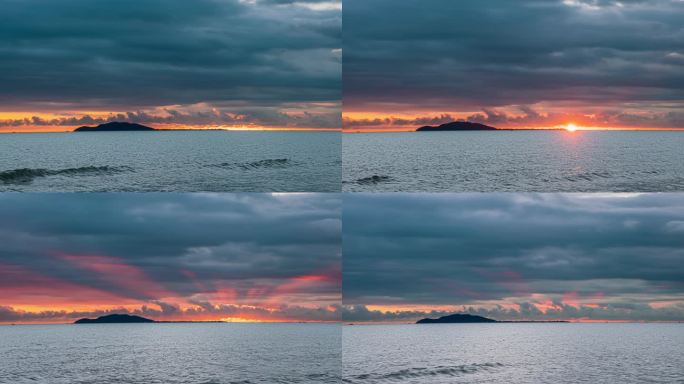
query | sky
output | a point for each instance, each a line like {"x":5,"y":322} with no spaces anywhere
{"x":513,"y":64}
{"x":597,"y":257}
{"x":231,"y":257}
{"x":170,"y":63}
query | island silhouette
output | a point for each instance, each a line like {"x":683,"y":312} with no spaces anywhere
{"x":457,"y":126}
{"x":464,"y":318}
{"x":115,"y":319}
{"x":457,"y":318}
{"x":115,"y":126}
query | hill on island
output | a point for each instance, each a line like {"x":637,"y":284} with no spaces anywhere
{"x":457,"y":126}
{"x":115,"y":319}
{"x":456,"y":319}
{"x":115,"y":126}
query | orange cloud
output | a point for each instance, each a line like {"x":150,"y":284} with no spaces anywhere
{"x":116,"y":271}
{"x":33,"y":291}
{"x":514,"y":117}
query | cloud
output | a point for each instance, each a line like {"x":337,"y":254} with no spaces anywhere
{"x":524,"y":116}
{"x":597,"y":253}
{"x":618,"y":59}
{"x":676,"y":226}
{"x":168,"y":311}
{"x":398,"y":122}
{"x":524,"y":311}
{"x":304,"y":116}
{"x":195,"y":252}
{"x":243,"y":58}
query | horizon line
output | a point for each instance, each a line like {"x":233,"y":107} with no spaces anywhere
{"x":351,"y":323}
{"x":261,"y":129}
{"x":579,"y":129}
{"x":185,"y":321}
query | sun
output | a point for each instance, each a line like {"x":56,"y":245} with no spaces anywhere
{"x":571,"y":127}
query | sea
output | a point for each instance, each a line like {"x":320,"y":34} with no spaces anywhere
{"x":514,"y":161}
{"x":514,"y":353}
{"x":202,"y":353}
{"x":171,"y":161}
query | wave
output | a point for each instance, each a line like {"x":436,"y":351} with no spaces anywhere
{"x":422,"y":372}
{"x":27,"y":175}
{"x":266,"y":163}
{"x":596,"y":175}
{"x":375,"y":179}
{"x":588,"y":176}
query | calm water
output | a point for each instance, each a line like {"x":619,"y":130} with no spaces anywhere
{"x":514,"y":353}
{"x":180,"y":161}
{"x":529,"y":161}
{"x":171,"y":353}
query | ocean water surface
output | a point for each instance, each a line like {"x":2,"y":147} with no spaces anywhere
{"x":170,"y":353}
{"x":515,"y":161}
{"x":175,"y":161}
{"x":514,"y":353}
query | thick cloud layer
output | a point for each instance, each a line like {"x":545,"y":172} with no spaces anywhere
{"x":514,"y":256}
{"x":190,"y":256}
{"x":529,"y":63}
{"x":203,"y":62}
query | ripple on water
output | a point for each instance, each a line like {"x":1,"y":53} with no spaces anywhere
{"x":422,"y":372}
{"x":27,"y":175}
{"x":526,"y":161}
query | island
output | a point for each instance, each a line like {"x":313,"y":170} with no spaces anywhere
{"x":115,"y":319}
{"x":457,"y":318}
{"x":115,"y":126}
{"x":457,"y":126}
{"x":464,"y":318}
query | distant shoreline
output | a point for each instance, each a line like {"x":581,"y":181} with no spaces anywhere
{"x":350,"y":131}
{"x":527,"y":129}
{"x":331,"y":130}
{"x":179,"y":322}
{"x":519,"y":322}
{"x":123,"y":126}
{"x":363,"y":323}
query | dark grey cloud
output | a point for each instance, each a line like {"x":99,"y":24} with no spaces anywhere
{"x":595,"y":256}
{"x":217,"y":251}
{"x":239,"y":57}
{"x":613,"y":57}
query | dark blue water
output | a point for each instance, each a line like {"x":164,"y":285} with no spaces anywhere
{"x":514,"y":353}
{"x":170,"y":353}
{"x":176,"y":161}
{"x":515,"y":161}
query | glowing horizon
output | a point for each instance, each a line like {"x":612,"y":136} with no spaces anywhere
{"x":39,"y":298}
{"x":410,"y":313}
{"x":363,"y":122}
{"x":597,"y":64}
{"x":69,"y":129}
{"x":258,"y":258}
{"x":12,"y":122}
